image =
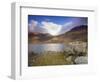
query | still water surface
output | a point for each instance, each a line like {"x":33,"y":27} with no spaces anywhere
{"x":37,"y":48}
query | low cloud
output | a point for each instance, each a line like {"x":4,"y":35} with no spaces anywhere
{"x":49,"y":27}
{"x":32,"y":25}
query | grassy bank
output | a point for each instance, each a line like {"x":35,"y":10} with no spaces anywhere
{"x":48,"y":58}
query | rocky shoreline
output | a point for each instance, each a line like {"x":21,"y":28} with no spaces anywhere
{"x":76,"y":53}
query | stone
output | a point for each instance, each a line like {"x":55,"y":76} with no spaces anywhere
{"x":81,"y":60}
{"x":69,"y":60}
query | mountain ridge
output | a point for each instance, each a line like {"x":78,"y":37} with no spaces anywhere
{"x":78,"y":33}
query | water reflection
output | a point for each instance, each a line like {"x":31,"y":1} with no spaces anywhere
{"x":37,"y":48}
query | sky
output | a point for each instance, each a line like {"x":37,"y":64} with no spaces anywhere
{"x":54,"y":25}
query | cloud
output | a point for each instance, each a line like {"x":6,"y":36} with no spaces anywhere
{"x":67,"y":27}
{"x":68,"y":24}
{"x":51,"y":27}
{"x":32,"y":25}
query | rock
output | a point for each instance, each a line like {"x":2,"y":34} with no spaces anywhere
{"x":69,"y":60}
{"x":79,"y":46}
{"x":81,"y":60}
{"x":69,"y":51}
{"x":78,"y":49}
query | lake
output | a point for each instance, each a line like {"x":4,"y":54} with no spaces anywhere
{"x":38,"y":48}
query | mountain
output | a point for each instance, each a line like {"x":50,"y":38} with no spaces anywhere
{"x":78,"y":28}
{"x":78,"y":33}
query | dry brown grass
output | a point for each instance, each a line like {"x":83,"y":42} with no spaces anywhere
{"x":53,"y":58}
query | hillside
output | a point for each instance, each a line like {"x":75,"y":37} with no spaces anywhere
{"x":78,"y":33}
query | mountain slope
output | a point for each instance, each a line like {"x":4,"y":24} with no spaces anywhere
{"x":78,"y":33}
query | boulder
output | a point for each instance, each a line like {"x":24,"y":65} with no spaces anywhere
{"x":81,"y":60}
